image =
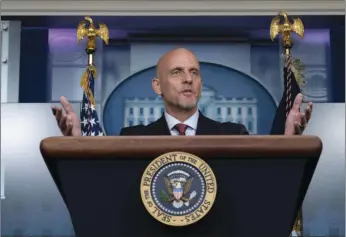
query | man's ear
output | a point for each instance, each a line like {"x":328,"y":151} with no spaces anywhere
{"x":156,"y":86}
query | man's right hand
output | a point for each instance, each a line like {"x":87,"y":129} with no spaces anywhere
{"x":68,"y":121}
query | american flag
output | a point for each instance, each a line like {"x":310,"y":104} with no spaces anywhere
{"x":90,"y":123}
{"x":291,"y":90}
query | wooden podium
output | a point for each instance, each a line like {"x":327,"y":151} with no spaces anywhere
{"x":261,"y":182}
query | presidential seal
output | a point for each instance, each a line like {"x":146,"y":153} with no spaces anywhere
{"x":178,"y":188}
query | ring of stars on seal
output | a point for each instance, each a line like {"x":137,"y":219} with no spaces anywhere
{"x":178,"y":188}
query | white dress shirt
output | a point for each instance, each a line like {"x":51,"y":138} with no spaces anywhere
{"x":191,"y":123}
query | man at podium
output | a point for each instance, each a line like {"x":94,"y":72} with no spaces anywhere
{"x":179,"y":82}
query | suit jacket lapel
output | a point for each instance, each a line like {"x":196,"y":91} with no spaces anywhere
{"x":205,"y":126}
{"x":159,"y":127}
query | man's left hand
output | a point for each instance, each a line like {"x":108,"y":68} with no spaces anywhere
{"x":297,"y":121}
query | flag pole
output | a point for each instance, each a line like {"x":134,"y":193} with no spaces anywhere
{"x":89,"y":118}
{"x":293,"y":74}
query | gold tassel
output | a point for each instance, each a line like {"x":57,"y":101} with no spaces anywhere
{"x":298,"y":228}
{"x":84,"y":83}
{"x":298,"y":69}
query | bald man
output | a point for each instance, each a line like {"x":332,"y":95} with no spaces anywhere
{"x":178,"y":82}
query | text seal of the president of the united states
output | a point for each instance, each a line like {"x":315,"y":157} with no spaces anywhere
{"x":178,"y":188}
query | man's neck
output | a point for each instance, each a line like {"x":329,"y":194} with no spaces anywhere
{"x":181,"y":115}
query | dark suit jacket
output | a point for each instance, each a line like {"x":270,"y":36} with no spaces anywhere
{"x":205,"y":126}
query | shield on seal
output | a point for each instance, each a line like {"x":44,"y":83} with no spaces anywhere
{"x":178,"y":193}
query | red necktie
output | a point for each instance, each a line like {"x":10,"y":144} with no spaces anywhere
{"x":181,"y":128}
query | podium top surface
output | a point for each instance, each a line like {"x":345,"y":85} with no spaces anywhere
{"x":206,"y":146}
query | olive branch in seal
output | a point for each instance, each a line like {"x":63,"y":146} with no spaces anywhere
{"x":164,"y":196}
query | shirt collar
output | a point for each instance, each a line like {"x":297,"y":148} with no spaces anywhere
{"x":191,"y":122}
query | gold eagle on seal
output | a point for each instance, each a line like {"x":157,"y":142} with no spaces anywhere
{"x":178,"y":191}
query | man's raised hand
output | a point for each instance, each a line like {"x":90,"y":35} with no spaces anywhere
{"x":67,"y":119}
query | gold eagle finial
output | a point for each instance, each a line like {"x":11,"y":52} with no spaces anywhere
{"x":298,"y":67}
{"x":286,"y":28}
{"x":92,"y":33}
